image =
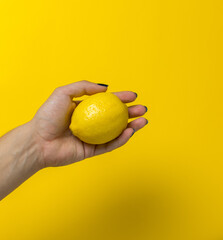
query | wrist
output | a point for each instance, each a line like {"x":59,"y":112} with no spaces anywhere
{"x":39,"y":143}
{"x":33,"y":146}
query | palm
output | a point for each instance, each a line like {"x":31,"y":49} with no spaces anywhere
{"x":52,"y":121}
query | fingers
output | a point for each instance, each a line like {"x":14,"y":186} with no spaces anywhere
{"x":81,"y":88}
{"x":126,"y":96}
{"x":138,"y":123}
{"x":85,"y":87}
{"x":137,"y":111}
{"x":116,"y":143}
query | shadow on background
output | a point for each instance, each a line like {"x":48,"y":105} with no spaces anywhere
{"x":131,"y":210}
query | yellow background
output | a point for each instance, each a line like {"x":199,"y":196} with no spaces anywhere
{"x":167,"y":182}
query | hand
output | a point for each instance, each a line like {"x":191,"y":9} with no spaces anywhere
{"x":51,"y":123}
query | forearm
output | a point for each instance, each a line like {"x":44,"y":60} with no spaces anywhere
{"x":19,"y":158}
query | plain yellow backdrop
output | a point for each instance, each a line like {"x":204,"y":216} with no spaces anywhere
{"x":167,"y":182}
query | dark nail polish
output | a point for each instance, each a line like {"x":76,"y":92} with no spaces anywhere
{"x":147,"y":121}
{"x":146,"y":108}
{"x":133,"y":132}
{"x":136,"y":94}
{"x":103,"y":85}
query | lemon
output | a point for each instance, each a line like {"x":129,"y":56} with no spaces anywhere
{"x":99,"y":119}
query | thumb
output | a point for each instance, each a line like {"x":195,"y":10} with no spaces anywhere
{"x":59,"y":107}
{"x":81,"y":88}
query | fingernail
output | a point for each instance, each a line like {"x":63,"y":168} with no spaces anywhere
{"x":103,"y":85}
{"x":133,"y":132}
{"x":146,"y":108}
{"x":147,"y":121}
{"x":136,"y":94}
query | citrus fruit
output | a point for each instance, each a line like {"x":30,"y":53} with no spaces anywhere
{"x":99,"y":119}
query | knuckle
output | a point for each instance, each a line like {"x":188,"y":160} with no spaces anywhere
{"x":58,"y":90}
{"x":84,"y":81}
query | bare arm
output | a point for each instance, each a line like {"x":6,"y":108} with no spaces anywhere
{"x":19,"y":158}
{"x":47,"y":141}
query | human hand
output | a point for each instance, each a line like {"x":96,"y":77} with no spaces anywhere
{"x":51,"y":123}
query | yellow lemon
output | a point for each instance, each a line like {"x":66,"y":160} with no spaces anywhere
{"x":99,"y":119}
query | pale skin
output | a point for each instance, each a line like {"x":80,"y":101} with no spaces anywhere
{"x":47,"y":141}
